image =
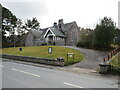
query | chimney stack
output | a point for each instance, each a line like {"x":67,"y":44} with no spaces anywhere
{"x":60,"y":24}
{"x":55,"y":24}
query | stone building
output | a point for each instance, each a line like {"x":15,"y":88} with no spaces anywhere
{"x":59,"y":34}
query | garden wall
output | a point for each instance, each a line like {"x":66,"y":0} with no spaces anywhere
{"x":57,"y":62}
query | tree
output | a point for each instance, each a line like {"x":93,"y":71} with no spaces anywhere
{"x":21,"y":33}
{"x":8,"y":25}
{"x":32,"y":24}
{"x":104,"y":33}
{"x":8,"y":21}
{"x":86,"y":38}
{"x":20,"y":27}
{"x":117,"y":37}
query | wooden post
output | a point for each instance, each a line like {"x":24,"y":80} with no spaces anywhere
{"x":104,"y":60}
{"x":108,"y":57}
{"x":67,"y":57}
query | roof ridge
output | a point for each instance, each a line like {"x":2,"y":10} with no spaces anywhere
{"x":70,"y":22}
{"x":36,"y":33}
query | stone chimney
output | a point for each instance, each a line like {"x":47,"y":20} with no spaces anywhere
{"x":55,"y":24}
{"x":60,"y":24}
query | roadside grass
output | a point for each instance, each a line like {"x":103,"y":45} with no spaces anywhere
{"x":42,"y":51}
{"x":115,"y":62}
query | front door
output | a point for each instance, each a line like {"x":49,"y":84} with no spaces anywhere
{"x":50,"y":40}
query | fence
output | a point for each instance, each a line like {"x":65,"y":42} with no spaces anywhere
{"x":106,"y":66}
{"x":110,"y":55}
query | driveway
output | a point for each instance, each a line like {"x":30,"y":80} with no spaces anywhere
{"x":91,"y":60}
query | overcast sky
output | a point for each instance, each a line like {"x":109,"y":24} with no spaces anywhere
{"x":85,"y":12}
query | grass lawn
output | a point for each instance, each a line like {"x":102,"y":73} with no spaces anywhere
{"x":116,"y":61}
{"x":42,"y":51}
{"x":115,"y":64}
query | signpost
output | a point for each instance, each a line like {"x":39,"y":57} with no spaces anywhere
{"x":70,"y":55}
{"x":50,"y":50}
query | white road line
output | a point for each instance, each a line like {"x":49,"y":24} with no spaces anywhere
{"x":1,"y":66}
{"x":26,"y":72}
{"x":72,"y":85}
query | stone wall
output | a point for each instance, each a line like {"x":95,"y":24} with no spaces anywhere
{"x":57,"y":62}
{"x":29,"y":40}
{"x":38,"y":42}
{"x":34,"y":41}
{"x":73,"y":35}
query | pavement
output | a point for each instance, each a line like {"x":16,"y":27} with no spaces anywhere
{"x":17,"y":74}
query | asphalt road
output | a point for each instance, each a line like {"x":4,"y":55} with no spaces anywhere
{"x":16,"y":75}
{"x":91,"y":60}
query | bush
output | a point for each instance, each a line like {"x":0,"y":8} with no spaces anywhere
{"x":114,"y":70}
{"x":84,"y":44}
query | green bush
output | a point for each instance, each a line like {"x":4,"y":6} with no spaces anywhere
{"x":84,"y":44}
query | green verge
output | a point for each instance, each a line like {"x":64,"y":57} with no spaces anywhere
{"x":115,"y":62}
{"x":42,"y":51}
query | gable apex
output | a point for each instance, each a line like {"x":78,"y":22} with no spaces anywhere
{"x":48,"y":31}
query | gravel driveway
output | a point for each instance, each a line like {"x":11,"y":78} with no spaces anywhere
{"x":91,"y":60}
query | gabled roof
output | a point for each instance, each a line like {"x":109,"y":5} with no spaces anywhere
{"x":57,"y":32}
{"x":67,"y":26}
{"x":36,"y":33}
{"x":43,"y":30}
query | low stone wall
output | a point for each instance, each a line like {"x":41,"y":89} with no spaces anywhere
{"x":57,"y":62}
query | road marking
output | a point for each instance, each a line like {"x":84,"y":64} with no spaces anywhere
{"x":72,"y":85}
{"x":26,"y":72}
{"x":1,"y":66}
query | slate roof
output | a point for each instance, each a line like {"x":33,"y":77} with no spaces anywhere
{"x":67,"y":26}
{"x":43,"y":30}
{"x":57,"y":32}
{"x":36,"y":33}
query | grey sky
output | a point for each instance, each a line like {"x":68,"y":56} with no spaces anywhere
{"x":26,"y":10}
{"x":85,"y":12}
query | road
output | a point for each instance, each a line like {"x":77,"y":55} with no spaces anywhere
{"x":16,"y":75}
{"x":91,"y":60}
